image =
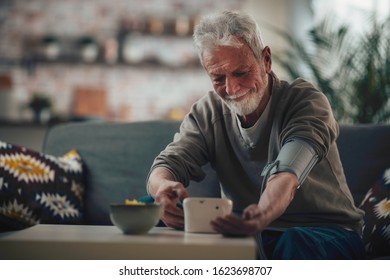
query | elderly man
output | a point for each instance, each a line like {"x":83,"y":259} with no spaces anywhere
{"x":272,"y":144}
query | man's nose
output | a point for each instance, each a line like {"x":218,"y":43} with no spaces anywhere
{"x":232,"y":86}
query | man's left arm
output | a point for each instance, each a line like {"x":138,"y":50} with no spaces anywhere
{"x":281,"y":180}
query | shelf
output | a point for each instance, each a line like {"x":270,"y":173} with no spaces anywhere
{"x":133,"y":49}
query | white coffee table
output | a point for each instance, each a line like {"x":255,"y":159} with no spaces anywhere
{"x":78,"y":242}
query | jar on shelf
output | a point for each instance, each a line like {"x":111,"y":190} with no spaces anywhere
{"x":88,"y":48}
{"x":51,"y":47}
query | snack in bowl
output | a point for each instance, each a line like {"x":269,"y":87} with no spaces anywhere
{"x":134,"y":217}
{"x":133,"y":202}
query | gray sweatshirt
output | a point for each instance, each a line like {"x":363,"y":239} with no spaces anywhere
{"x":212,"y":133}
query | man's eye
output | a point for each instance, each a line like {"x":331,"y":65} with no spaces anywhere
{"x":239,"y":74}
{"x":218,"y":80}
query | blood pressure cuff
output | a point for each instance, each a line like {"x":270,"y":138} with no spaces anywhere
{"x":297,"y":157}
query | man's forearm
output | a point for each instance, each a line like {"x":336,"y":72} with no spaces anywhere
{"x":278,"y":194}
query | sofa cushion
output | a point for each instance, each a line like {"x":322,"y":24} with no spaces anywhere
{"x":365,"y":153}
{"x":376,"y":230}
{"x":39,"y":188}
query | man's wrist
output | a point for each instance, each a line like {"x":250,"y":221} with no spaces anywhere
{"x":156,"y":178}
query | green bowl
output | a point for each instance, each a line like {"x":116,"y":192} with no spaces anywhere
{"x":135,"y":219}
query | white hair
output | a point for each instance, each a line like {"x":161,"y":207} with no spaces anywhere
{"x":225,"y":29}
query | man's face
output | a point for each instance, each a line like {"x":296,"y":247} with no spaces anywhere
{"x":238,"y":77}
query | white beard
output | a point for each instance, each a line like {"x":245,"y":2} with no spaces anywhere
{"x":246,"y":106}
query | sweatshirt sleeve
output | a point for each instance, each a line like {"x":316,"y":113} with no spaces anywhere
{"x":308,"y":116}
{"x":189,"y":150}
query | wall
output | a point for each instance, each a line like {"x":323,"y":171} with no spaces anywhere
{"x":133,"y":92}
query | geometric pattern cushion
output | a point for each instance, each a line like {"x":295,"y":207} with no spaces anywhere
{"x":376,"y":229}
{"x":38,"y":188}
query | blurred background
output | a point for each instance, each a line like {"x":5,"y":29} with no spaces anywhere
{"x":134,"y":60}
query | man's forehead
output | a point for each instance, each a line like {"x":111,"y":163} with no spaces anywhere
{"x":223,"y":70}
{"x":224,"y":59}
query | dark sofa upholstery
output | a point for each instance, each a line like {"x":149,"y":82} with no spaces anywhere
{"x":118,"y":156}
{"x":365,"y":154}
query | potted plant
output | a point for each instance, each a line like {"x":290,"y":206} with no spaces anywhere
{"x":40,"y":106}
{"x":352,"y":70}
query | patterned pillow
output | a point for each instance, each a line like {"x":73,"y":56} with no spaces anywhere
{"x":376,"y":230}
{"x":38,"y":188}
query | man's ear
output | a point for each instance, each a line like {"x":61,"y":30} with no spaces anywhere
{"x":267,"y":59}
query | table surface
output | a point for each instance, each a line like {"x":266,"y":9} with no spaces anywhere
{"x":77,"y":242}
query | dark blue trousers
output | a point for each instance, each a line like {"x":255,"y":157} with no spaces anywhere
{"x":313,"y":243}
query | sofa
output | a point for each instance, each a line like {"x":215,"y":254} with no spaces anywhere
{"x":116,"y":158}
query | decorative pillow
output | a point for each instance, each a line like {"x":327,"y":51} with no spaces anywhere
{"x":38,"y":188}
{"x":376,"y":230}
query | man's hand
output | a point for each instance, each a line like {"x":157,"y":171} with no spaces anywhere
{"x":249,"y":223}
{"x":278,"y":194}
{"x":168,"y":193}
